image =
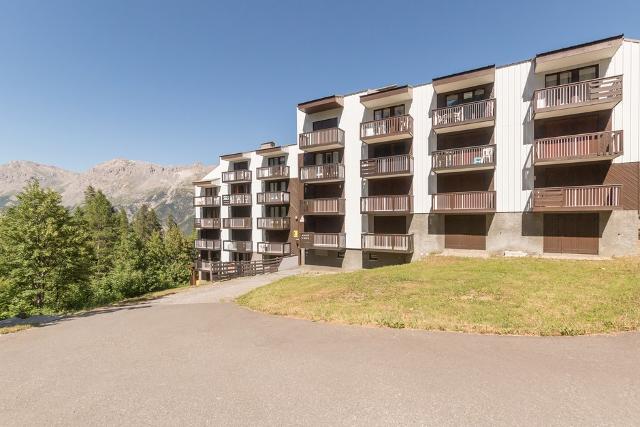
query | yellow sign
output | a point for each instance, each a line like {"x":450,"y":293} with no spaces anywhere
{"x":295,"y":234}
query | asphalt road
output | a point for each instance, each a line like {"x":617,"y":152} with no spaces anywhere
{"x":194,"y":359}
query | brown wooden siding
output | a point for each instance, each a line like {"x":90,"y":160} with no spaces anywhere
{"x":571,"y":233}
{"x":465,"y":232}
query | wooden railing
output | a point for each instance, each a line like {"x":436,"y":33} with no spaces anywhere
{"x":206,"y":223}
{"x":240,"y":199}
{"x":240,"y":222}
{"x":274,"y":223}
{"x":204,"y":265}
{"x":237,"y":246}
{"x":383,"y":166}
{"x":321,"y":138}
{"x":323,"y":240}
{"x":273,"y":198}
{"x":269,"y":172}
{"x":207,"y":244}
{"x":483,"y":201}
{"x":464,"y":113}
{"x":467,"y":157}
{"x":604,"y":89}
{"x":228,"y":270}
{"x":582,"y":146}
{"x":201,"y":201}
{"x":242,"y":175}
{"x":387,"y":242}
{"x":586,"y":197}
{"x":386,"y":204}
{"x":274,"y":248}
{"x":329,"y":171}
{"x":398,"y":125}
{"x":322,"y":206}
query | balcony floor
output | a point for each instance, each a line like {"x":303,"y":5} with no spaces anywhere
{"x":463,"y":126}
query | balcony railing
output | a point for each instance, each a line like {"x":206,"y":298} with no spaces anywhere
{"x":465,"y":201}
{"x":273,"y":172}
{"x":242,"y":175}
{"x":205,"y":201}
{"x":572,"y":148}
{"x":273,"y":198}
{"x":606,"y":91}
{"x":236,"y":223}
{"x":240,"y":199}
{"x":271,"y":248}
{"x":386,"y":166}
{"x":402,"y":243}
{"x":395,"y":205}
{"x":334,"y":241}
{"x":206,"y":223}
{"x":388,"y":129}
{"x":207,"y":244}
{"x":319,"y":173}
{"x":322,"y":207}
{"x":582,"y":198}
{"x":480,"y":157}
{"x":204,"y":265}
{"x":274,"y":223}
{"x":237,"y":246}
{"x":323,"y":139}
{"x":472,"y":114}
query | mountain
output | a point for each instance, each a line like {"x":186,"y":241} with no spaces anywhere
{"x":127,"y":183}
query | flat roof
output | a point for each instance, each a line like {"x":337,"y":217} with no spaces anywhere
{"x":578,"y":46}
{"x":462,"y":73}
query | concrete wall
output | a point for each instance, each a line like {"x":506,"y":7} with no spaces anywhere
{"x":619,"y":233}
{"x":514,"y":231}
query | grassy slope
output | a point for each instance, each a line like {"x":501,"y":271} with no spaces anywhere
{"x":504,"y":296}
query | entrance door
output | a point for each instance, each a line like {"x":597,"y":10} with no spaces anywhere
{"x":465,"y":231}
{"x":571,"y":233}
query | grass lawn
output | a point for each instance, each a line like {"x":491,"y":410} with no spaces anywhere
{"x":12,"y":329}
{"x":525,"y":296}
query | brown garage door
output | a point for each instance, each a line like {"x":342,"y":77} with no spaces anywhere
{"x":465,"y":231}
{"x":571,"y":233}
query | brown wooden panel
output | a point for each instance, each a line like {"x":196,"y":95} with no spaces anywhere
{"x":627,"y":174}
{"x":573,"y":125}
{"x":468,"y":181}
{"x":390,"y":224}
{"x":571,"y":233}
{"x":470,"y":138}
{"x":465,"y":232}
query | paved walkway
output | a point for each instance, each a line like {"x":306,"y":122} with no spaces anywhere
{"x":188,"y":359}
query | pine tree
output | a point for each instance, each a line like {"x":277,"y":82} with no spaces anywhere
{"x":145,"y":222}
{"x":180,"y":254}
{"x":102,"y":222}
{"x":156,"y":262}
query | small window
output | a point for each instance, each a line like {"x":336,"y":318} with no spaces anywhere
{"x":275,"y":161}
{"x":587,"y":73}
{"x":564,"y":77}
{"x":467,"y":96}
{"x":325,"y":124}
{"x":398,"y":110}
{"x":478,"y":94}
{"x":384,"y":113}
{"x":551,"y":80}
{"x":452,"y":100}
{"x":373,"y":257}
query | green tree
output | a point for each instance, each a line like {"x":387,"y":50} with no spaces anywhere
{"x":102,"y":224}
{"x":156,"y":262}
{"x":145,"y":222}
{"x":180,"y":253}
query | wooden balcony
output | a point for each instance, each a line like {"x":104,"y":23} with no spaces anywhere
{"x":324,"y":139}
{"x":470,"y":115}
{"x":273,"y":198}
{"x":322,"y":207}
{"x":587,"y":198}
{"x":384,"y":167}
{"x":397,"y":243}
{"x":464,"y":202}
{"x":206,"y":201}
{"x":389,"y":129}
{"x":240,"y":199}
{"x":331,"y":172}
{"x":237,"y":246}
{"x":462,"y":159}
{"x":330,"y":241}
{"x":274,"y":223}
{"x":386,"y":205}
{"x":241,"y":223}
{"x":271,"y":248}
{"x":586,"y":147}
{"x":207,"y":244}
{"x":207,"y":223}
{"x":577,"y":98}
{"x":273,"y":172}
{"x":232,"y":177}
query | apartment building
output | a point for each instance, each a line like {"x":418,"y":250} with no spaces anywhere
{"x":539,"y":156}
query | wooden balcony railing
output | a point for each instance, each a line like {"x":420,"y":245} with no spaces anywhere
{"x":206,"y":201}
{"x":321,"y":139}
{"x":206,"y":223}
{"x":237,"y":246}
{"x":586,"y":146}
{"x":240,"y":199}
{"x":482,"y":156}
{"x":273,"y":172}
{"x":603,"y":90}
{"x":465,"y":201}
{"x":242,"y":175}
{"x":387,"y":129}
{"x":582,"y":198}
{"x":274,"y":248}
{"x":204,"y":265}
{"x":240,"y":222}
{"x":327,"y":172}
{"x":335,"y":241}
{"x":322,"y":207}
{"x":470,"y":112}
{"x":274,"y":223}
{"x":387,"y":242}
{"x":273,"y":198}
{"x":207,"y":244}
{"x":386,"y":166}
{"x":397,"y":204}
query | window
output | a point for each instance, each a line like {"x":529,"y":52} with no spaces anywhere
{"x":237,"y":166}
{"x":276,"y":186}
{"x":326,"y":158}
{"x":383,"y":113}
{"x":325,"y":124}
{"x":587,"y":73}
{"x":477,"y":94}
{"x":277,"y":211}
{"x":373,"y":257}
{"x":275,"y":161}
{"x":571,"y":76}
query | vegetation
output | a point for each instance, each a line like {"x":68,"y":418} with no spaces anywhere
{"x":54,"y":260}
{"x":502,"y":296}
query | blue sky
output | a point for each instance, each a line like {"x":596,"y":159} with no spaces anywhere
{"x":176,"y":82}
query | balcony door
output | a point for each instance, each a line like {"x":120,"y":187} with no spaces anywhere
{"x":465,"y":232}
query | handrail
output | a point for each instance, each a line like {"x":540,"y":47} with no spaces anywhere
{"x":322,"y":172}
{"x":387,"y":126}
{"x":275,"y":223}
{"x":228,"y":270}
{"x":464,"y":200}
{"x":322,"y":206}
{"x":390,"y":204}
{"x":276,"y":171}
{"x":460,"y":113}
{"x":273,"y":197}
{"x":586,"y":196}
{"x":319,"y":138}
{"x":464,"y":156}
{"x":584,"y":145}
{"x":575,"y":93}
{"x":311,"y":240}
{"x":388,"y":165}
{"x":387,"y":242}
